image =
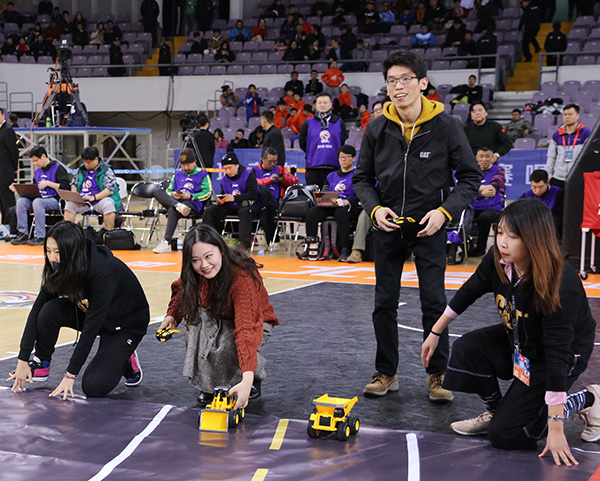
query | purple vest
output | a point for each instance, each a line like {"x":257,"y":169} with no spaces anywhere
{"x":89,"y":186}
{"x":237,"y":186}
{"x":489,"y":202}
{"x":50,"y":175}
{"x":189,"y":183}
{"x":323,"y":145}
{"x":265,"y":174}
{"x":342,"y":184}
{"x":549,"y":198}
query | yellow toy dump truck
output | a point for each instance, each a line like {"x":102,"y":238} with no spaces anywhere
{"x":219,"y":415}
{"x":331,"y":416}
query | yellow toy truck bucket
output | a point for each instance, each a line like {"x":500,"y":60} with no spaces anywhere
{"x":214,"y":420}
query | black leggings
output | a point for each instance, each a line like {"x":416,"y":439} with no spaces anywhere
{"x":214,"y":216}
{"x":343,"y":218}
{"x":106,"y":368}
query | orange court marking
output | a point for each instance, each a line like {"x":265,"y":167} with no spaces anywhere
{"x":289,"y":268}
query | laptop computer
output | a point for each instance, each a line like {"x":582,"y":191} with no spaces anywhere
{"x":72,"y":196}
{"x":327,"y":199}
{"x":29,"y":191}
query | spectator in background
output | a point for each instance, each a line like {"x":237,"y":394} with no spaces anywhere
{"x":320,"y":9}
{"x":149,"y":11}
{"x":550,"y":195}
{"x":365,"y":116}
{"x":313,"y":51}
{"x":204,"y":15}
{"x":359,"y":53}
{"x":52,"y":47}
{"x":65,"y":27}
{"x":239,"y":142}
{"x":281,"y":115}
{"x":52,"y":31}
{"x":112,"y":32}
{"x":424,"y":38}
{"x":57,"y":16}
{"x":313,"y":86}
{"x":215,"y":41}
{"x":224,"y":55}
{"x":316,"y":34}
{"x":260,"y":31}
{"x":486,"y":132}
{"x":456,"y":33}
{"x":205,"y":142}
{"x":301,"y":39}
{"x":80,"y":36}
{"x":333,"y":78}
{"x":253,"y":102}
{"x":97,"y":35}
{"x":468,"y":47}
{"x":566,"y":145}
{"x":296,"y":123}
{"x":273,"y":137}
{"x":275,"y":10}
{"x":14,"y":121}
{"x":9,"y":48}
{"x":530,"y":24}
{"x":45,"y":7}
{"x":436,"y":15}
{"x":39,"y":47}
{"x":22,"y":48}
{"x":343,"y":104}
{"x":188,"y":17}
{"x":293,"y":53}
{"x":518,"y":127}
{"x":229,"y":98}
{"x":421,"y":14}
{"x":406,"y":19}
{"x":490,"y":198}
{"x":468,"y":94}
{"x":294,"y":11}
{"x":369,"y":21}
{"x":347,"y":38}
{"x":239,"y":32}
{"x":458,"y":11}
{"x":164,"y":58}
{"x":116,"y":58}
{"x":556,"y":41}
{"x":288,"y":29}
{"x":255,"y":139}
{"x":401,"y":6}
{"x":79,"y":18}
{"x":10,"y":15}
{"x":294,"y":84}
{"x":304,"y":24}
{"x":199,"y":45}
{"x":487,"y":45}
{"x":337,"y":51}
{"x":387,"y":15}
{"x":220,"y":142}
{"x":431,"y":93}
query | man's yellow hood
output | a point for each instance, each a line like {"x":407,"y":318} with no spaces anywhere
{"x":430,"y":108}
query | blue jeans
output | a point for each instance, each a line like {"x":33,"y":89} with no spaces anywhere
{"x":39,"y":207}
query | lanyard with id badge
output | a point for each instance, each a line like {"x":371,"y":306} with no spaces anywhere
{"x":569,"y":148}
{"x":521,"y":365}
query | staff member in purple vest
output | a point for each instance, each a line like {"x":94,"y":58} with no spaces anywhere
{"x":272,"y":180}
{"x":239,"y":196}
{"x":49,"y":176}
{"x":551,"y":195}
{"x":345,"y":213}
{"x":190,"y":187}
{"x":489,"y":201}
{"x":321,"y":137}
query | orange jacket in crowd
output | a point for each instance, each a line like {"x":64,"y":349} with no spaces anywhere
{"x":280,"y":118}
{"x":288,"y":179}
{"x":298,"y":120}
{"x":365,"y":118}
{"x":345,"y":99}
{"x":333,"y":77}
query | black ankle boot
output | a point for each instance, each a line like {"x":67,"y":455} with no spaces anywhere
{"x":255,"y":390}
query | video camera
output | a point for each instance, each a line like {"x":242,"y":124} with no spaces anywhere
{"x":190,"y":122}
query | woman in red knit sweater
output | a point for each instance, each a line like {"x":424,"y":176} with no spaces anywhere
{"x":224,"y":333}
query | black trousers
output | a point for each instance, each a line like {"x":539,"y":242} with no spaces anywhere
{"x":7,"y":200}
{"x":215,"y":217}
{"x":484,"y":219}
{"x":173,"y":214}
{"x":430,"y":259}
{"x":529,"y":38}
{"x":479,"y":359}
{"x":318,"y":176}
{"x":106,"y":368}
{"x":267,"y":212}
{"x":343,"y":218}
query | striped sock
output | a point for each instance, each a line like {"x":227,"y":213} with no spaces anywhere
{"x":578,"y":401}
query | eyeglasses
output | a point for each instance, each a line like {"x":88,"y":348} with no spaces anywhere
{"x":392,"y":82}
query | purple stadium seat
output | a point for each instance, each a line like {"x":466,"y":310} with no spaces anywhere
{"x":586,"y":60}
{"x":440,"y":65}
{"x":593,"y":85}
{"x":571,"y":87}
{"x":218,"y":70}
{"x":589,"y":120}
{"x":433,"y":52}
{"x":594,"y":108}
{"x":250,"y":47}
{"x":525,"y":143}
{"x":268,"y":69}
{"x":45,"y":60}
{"x":185,"y":70}
{"x":76,"y":60}
{"x":259,"y":57}
{"x":251,"y":70}
{"x":511,"y":12}
{"x":235,"y":70}
{"x":27,"y":59}
{"x":550,"y":88}
{"x":458,"y":64}
{"x":235,"y":124}
{"x":195,"y":58}
{"x":577,"y":34}
{"x":584,"y":21}
{"x":244,"y":57}
{"x":253,"y":122}
{"x":179,"y":59}
{"x":236,"y":46}
{"x":201,"y":70}
{"x":450,"y":51}
{"x":544,"y":123}
{"x":99,"y":72}
{"x":284,"y":68}
{"x":275,"y":56}
{"x":302,"y":68}
{"x":227,"y":113}
{"x":503,"y":24}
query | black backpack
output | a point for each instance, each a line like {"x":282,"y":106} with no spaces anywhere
{"x":297,"y":201}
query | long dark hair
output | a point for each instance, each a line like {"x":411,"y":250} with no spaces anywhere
{"x":218,"y":287}
{"x":531,"y":220}
{"x":67,"y":279}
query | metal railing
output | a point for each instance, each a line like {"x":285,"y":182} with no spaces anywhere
{"x":560,"y":56}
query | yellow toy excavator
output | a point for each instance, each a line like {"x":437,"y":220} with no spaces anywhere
{"x":219,"y":415}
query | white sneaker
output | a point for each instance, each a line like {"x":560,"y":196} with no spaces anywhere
{"x":474,"y":426}
{"x":163,"y":248}
{"x":183,"y":209}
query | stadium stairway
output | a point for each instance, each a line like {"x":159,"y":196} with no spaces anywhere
{"x":153,"y":60}
{"x":525,"y":75}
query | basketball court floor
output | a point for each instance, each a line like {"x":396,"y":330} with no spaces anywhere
{"x":325,"y":344}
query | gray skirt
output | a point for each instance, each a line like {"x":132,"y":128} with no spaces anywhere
{"x":211,"y":357}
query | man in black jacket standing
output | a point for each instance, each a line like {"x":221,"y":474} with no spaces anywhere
{"x":149,"y":11}
{"x":273,"y":136}
{"x":530,"y":24}
{"x":403,"y":180}
{"x":9,"y":158}
{"x":205,"y":141}
{"x":556,"y":41}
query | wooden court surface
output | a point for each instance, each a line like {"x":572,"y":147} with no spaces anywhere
{"x":21,"y":268}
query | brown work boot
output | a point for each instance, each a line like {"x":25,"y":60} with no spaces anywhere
{"x":381,"y":384}
{"x":355,"y":257}
{"x":473,"y":426}
{"x":436,"y":392}
{"x":591,"y":417}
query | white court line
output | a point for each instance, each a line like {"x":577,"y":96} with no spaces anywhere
{"x":585,"y":451}
{"x":409,"y":328}
{"x":412,"y":446}
{"x":131,"y":447}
